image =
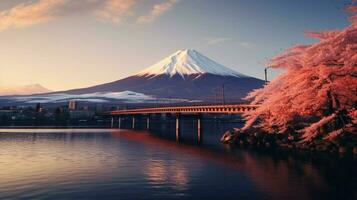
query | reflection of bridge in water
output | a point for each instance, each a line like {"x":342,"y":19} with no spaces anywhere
{"x":178,"y":111}
{"x":283,"y":174}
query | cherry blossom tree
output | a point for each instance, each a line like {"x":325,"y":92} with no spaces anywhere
{"x":316,"y":95}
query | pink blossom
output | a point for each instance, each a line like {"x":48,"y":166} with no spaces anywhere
{"x":319,"y":81}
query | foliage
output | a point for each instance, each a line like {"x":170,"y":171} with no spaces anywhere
{"x":316,"y":95}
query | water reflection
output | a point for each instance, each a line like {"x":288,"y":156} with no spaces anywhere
{"x":112,"y":164}
{"x":159,"y":172}
{"x":279,"y":174}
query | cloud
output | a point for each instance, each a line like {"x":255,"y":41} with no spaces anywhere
{"x":36,"y":12}
{"x":157,"y":10}
{"x":114,"y":10}
{"x":247,"y":45}
{"x":27,"y":14}
{"x":216,"y":40}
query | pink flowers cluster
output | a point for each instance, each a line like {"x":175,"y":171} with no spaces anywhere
{"x":319,"y":81}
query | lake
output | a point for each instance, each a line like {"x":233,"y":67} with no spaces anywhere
{"x":134,"y":164}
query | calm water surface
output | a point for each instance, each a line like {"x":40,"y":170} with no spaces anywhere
{"x":123,"y":164}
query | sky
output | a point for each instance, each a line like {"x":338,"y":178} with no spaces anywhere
{"x":65,"y":44}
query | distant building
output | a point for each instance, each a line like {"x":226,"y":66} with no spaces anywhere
{"x":38,"y":107}
{"x":8,"y":113}
{"x":99,"y":108}
{"x":80,"y":114}
{"x":72,"y":105}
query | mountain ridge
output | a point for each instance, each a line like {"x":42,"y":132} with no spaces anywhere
{"x":23,"y":90}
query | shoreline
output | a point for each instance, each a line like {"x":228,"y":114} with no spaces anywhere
{"x":284,"y":142}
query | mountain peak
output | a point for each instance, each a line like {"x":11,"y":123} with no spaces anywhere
{"x":185,"y":51}
{"x":23,"y":90}
{"x":188,"y":62}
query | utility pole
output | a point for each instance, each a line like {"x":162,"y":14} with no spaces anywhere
{"x":266,"y":74}
{"x":223,"y":96}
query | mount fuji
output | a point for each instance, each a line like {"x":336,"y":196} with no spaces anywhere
{"x":186,"y":74}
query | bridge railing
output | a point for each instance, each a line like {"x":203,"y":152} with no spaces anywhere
{"x":241,"y":108}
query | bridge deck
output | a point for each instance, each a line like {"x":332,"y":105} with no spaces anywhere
{"x":240,"y":108}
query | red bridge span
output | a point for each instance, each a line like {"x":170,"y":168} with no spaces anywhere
{"x":235,"y":108}
{"x":118,"y":115}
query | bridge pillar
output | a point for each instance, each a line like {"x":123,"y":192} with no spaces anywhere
{"x":133,"y":123}
{"x":199,"y":131}
{"x":178,"y":131}
{"x":148,"y":122}
{"x":112,"y":122}
{"x":119,"y":122}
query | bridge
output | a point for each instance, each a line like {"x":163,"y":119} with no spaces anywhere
{"x":238,"y":108}
{"x":179,"y":110}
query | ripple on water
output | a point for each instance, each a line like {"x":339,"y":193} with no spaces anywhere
{"x":98,"y":164}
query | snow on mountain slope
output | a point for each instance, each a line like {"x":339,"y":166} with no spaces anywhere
{"x":188,"y":62}
{"x":23,"y":90}
{"x":96,"y":97}
{"x":90,"y":97}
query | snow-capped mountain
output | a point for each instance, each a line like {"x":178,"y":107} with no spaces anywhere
{"x":188,"y":62}
{"x":186,"y":74}
{"x":23,"y":90}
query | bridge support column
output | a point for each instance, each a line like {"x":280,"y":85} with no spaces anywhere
{"x":178,"y":131}
{"x":112,"y":122}
{"x":119,"y":122}
{"x":148,"y":123}
{"x":133,"y":123}
{"x":199,"y":130}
